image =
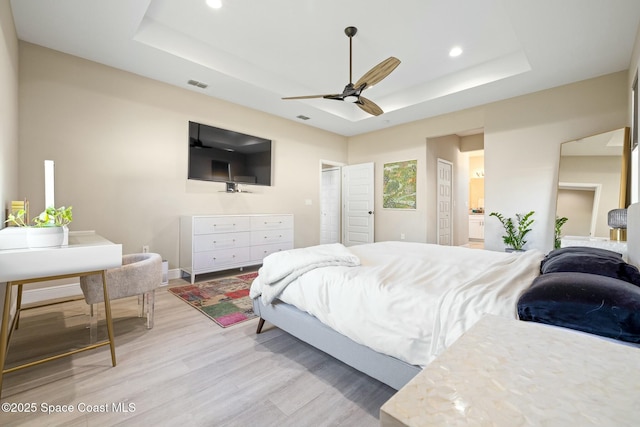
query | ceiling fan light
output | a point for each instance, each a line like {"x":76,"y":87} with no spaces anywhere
{"x":351,"y":98}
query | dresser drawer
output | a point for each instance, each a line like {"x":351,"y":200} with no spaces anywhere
{"x":218,"y":260}
{"x":271,"y":222}
{"x":267,"y":237}
{"x":211,"y":242}
{"x":222,"y":224}
{"x":258,"y":253}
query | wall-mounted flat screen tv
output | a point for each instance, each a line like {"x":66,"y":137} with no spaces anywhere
{"x":226,"y":156}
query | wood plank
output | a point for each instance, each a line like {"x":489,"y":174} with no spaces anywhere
{"x":185,"y":371}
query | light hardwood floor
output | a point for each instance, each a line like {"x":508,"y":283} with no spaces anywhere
{"x":185,"y":371}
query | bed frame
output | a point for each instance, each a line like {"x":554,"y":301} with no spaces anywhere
{"x":386,"y":369}
{"x":389,"y":370}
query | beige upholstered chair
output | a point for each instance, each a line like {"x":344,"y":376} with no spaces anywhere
{"x":140,"y":274}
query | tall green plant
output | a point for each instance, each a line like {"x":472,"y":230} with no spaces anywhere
{"x":515,"y":230}
{"x":558,"y":231}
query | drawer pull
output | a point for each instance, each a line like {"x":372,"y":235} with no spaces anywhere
{"x":215,"y":242}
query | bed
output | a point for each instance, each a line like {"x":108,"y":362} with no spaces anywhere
{"x":389,"y":308}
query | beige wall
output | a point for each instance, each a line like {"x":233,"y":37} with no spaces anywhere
{"x":522,"y":138}
{"x":120,"y":143}
{"x":406,"y":142}
{"x":8,"y":114}
{"x":99,"y":124}
{"x":8,"y":108}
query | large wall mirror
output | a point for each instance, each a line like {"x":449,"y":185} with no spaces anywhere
{"x":593,"y":179}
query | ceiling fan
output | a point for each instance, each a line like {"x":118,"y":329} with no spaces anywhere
{"x":352,"y":92}
{"x":197,"y":142}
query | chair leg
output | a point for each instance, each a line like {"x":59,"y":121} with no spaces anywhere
{"x":149,"y":306}
{"x":93,"y":323}
{"x":141,"y":305}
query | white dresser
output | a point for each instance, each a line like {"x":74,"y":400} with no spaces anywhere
{"x":211,"y":243}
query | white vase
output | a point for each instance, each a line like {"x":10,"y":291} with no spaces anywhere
{"x":45,"y":237}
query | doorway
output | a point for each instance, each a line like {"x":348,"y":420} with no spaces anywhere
{"x":346,"y":203}
{"x":476,"y":198}
{"x":444,"y":202}
{"x":330,"y":202}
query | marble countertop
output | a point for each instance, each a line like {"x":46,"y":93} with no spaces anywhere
{"x":505,"y":372}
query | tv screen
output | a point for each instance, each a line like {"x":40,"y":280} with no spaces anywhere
{"x":226,"y":156}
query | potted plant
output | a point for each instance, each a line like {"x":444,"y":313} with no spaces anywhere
{"x":558,"y":231}
{"x":49,"y":228}
{"x":515,"y":230}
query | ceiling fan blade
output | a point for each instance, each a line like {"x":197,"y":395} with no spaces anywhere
{"x":379,"y":72}
{"x":369,"y":106}
{"x":309,"y":96}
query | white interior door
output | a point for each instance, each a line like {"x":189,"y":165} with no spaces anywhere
{"x":444,"y":202}
{"x":330,"y":200}
{"x":357,"y":192}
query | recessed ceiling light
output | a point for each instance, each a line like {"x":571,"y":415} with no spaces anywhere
{"x":455,"y":51}
{"x":214,"y":4}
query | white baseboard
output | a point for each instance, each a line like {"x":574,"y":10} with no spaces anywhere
{"x":174,"y":273}
{"x":70,"y":290}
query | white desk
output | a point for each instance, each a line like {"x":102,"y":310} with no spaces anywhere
{"x":87,"y":253}
{"x":505,"y":372}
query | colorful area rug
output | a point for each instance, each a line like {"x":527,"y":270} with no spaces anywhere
{"x":226,"y":301}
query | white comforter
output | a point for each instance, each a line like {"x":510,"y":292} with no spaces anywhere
{"x":409,"y":300}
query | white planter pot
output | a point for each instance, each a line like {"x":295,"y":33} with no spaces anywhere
{"x":45,"y":237}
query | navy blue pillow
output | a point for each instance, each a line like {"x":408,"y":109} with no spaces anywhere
{"x":585,"y":302}
{"x":598,"y":261}
{"x":584,"y":250}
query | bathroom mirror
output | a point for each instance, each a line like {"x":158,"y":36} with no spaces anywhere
{"x":593,"y":179}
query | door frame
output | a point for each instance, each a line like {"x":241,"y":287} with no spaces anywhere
{"x":331,"y":164}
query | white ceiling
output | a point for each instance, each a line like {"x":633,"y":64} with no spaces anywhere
{"x":254,"y":52}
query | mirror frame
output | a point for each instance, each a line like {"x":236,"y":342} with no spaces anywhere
{"x":625,"y":168}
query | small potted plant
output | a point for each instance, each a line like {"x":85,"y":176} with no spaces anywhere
{"x":49,"y":229}
{"x":515,"y":230}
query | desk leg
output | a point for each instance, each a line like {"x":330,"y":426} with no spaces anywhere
{"x":107,"y":310}
{"x":18,"y":305}
{"x":4,"y":331}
